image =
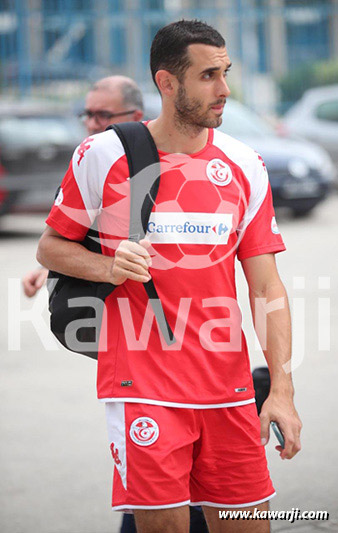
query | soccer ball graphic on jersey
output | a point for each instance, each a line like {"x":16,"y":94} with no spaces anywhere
{"x":196,"y":211}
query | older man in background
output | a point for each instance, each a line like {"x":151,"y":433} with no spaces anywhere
{"x":109,"y":101}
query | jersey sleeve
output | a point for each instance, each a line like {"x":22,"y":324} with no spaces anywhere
{"x":258,"y":232}
{"x":78,"y":201}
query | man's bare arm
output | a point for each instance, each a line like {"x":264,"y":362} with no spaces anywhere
{"x":57,"y":253}
{"x":266,"y":287}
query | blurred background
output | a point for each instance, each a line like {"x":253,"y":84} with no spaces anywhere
{"x":285,"y":68}
{"x":53,"y":48}
{"x":55,"y":465}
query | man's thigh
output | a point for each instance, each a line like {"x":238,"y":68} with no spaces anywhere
{"x":174,"y":520}
{"x":217,"y":525}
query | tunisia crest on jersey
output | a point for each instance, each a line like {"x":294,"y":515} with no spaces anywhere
{"x":219,"y":172}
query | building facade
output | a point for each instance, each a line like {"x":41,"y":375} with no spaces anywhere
{"x":68,"y":43}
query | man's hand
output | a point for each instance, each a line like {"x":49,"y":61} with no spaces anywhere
{"x":280,"y":408}
{"x":33,"y":281}
{"x":132,"y":261}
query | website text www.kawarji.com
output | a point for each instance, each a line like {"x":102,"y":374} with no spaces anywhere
{"x":291,"y":516}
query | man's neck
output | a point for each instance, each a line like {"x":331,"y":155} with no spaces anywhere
{"x":173,"y":138}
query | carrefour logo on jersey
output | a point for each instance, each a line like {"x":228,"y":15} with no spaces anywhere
{"x":189,"y":228}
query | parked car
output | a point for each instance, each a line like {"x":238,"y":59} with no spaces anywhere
{"x":36,"y":144}
{"x":315,"y":117}
{"x":7,"y":198}
{"x":301,"y":173}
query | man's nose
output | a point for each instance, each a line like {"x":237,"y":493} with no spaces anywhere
{"x":223,"y":88}
{"x":92,"y":125}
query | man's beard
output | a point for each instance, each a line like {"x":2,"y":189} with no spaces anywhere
{"x":189,"y":114}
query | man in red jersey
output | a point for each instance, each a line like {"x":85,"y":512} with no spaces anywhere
{"x":182,"y":423}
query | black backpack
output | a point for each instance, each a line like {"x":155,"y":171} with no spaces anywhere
{"x":77,"y":305}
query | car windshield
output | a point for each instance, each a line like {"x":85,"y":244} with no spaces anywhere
{"x":241,"y":122}
{"x":32,"y":131}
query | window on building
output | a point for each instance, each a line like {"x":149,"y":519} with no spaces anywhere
{"x":261,"y":26}
{"x":153,"y":4}
{"x":307,"y":30}
{"x":151,"y":24}
{"x":201,"y":4}
{"x":118,"y":55}
{"x":118,"y":40}
{"x":6,"y":5}
{"x":68,"y":26}
{"x":66,"y":5}
{"x":9,"y":26}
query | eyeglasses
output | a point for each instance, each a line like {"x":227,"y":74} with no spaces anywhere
{"x":102,"y":116}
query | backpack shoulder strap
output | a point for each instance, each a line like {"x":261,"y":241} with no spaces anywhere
{"x":138,"y":144}
{"x":144,"y":163}
{"x":144,"y":170}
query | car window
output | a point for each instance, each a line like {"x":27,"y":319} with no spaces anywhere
{"x":241,"y":122}
{"x":328,"y":111}
{"x":30,"y":132}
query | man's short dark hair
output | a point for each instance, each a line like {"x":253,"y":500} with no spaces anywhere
{"x":169,"y":47}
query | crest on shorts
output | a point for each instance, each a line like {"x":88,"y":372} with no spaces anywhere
{"x":144,"y":431}
{"x":219,"y":172}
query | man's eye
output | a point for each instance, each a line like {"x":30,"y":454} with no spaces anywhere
{"x":207,"y":75}
{"x":104,"y":115}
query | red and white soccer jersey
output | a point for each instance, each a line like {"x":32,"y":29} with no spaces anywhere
{"x":211,"y":206}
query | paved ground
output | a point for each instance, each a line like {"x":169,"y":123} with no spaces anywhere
{"x":55,"y":463}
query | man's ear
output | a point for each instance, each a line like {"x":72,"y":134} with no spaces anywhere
{"x":166,"y":82}
{"x":138,"y":115}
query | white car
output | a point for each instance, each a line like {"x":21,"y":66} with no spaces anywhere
{"x":315,"y":117}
